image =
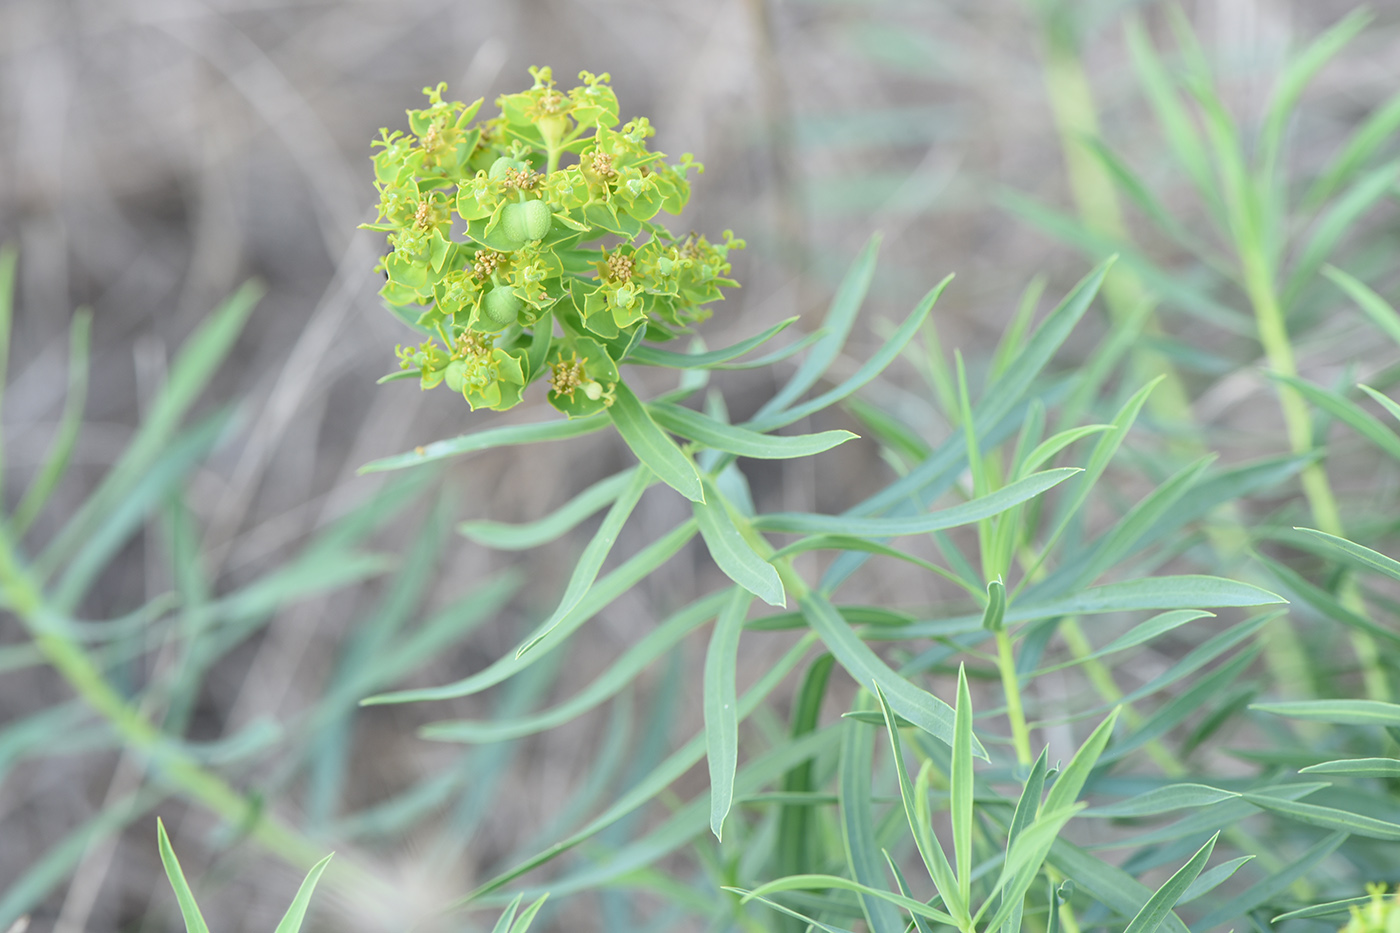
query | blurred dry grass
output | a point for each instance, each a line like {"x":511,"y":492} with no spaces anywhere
{"x":153,"y":155}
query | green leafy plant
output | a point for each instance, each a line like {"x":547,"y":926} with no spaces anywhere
{"x":1110,"y":692}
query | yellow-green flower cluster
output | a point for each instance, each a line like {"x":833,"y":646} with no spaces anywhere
{"x":494,"y":228}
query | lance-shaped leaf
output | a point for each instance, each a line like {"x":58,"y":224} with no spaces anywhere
{"x":1160,"y":904}
{"x":189,"y":910}
{"x":508,"y":436}
{"x":721,"y":706}
{"x":984,"y":507}
{"x":526,"y":535}
{"x":733,"y":553}
{"x":920,"y":707}
{"x":652,"y":356}
{"x":651,"y":445}
{"x":703,"y":429}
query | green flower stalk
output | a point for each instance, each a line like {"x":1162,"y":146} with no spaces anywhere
{"x":521,"y":289}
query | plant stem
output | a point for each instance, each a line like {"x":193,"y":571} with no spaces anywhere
{"x":24,"y":598}
{"x":1015,"y":711}
{"x":1278,"y":350}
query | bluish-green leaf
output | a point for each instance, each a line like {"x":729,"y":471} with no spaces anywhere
{"x":918,"y":706}
{"x":1337,"y":712}
{"x":651,"y":445}
{"x":296,"y":913}
{"x":591,"y":561}
{"x":695,"y":426}
{"x":733,"y":554}
{"x":189,"y":910}
{"x":985,"y":507}
{"x":1356,"y":767}
{"x":508,"y":436}
{"x":653,"y":356}
{"x":1149,"y":919}
{"x":721,"y":706}
{"x":520,"y":537}
{"x":1163,"y":800}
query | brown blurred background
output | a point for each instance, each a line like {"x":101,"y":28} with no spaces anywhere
{"x":154,"y":155}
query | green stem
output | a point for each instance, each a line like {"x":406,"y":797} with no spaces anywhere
{"x":25,"y":599}
{"x":1015,"y":711}
{"x":1278,"y":350}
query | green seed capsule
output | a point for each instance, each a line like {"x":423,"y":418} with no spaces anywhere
{"x":498,"y":169}
{"x":522,"y":222}
{"x":537,"y":218}
{"x":513,"y":223}
{"x":454,"y":374}
{"x":500,"y":307}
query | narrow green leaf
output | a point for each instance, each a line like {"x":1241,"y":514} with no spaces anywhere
{"x":1369,"y":137}
{"x":788,"y":911}
{"x":1380,"y":311}
{"x":646,"y":789}
{"x":838,"y":322}
{"x":652,"y":646}
{"x":591,"y":561}
{"x":651,"y":445}
{"x":1049,"y":447}
{"x":867,"y":371}
{"x":1065,"y":791}
{"x":1188,"y":591}
{"x":520,"y":537}
{"x":1178,"y":126}
{"x":1120,"y":540}
{"x":1210,"y":880}
{"x":733,"y":553}
{"x":858,"y":820}
{"x":977,"y":509}
{"x":1163,"y":800}
{"x":189,"y":910}
{"x":721,"y":706}
{"x":1179,"y":708}
{"x":1296,"y":75}
{"x":632,"y":571}
{"x":1028,"y":804}
{"x":1355,"y":554}
{"x":70,"y":423}
{"x":1266,"y":889}
{"x":695,"y":426}
{"x":854,"y":543}
{"x":296,"y":914}
{"x":1346,"y":411}
{"x":194,"y":365}
{"x":522,"y":923}
{"x":960,"y":789}
{"x":652,"y":356}
{"x":1150,"y":918}
{"x":508,"y":915}
{"x":1339,"y":908}
{"x":1336,"y":712}
{"x":809,"y":882}
{"x":1384,"y":401}
{"x":507,"y":436}
{"x":915,"y":812}
{"x":1340,"y":220}
{"x":1139,"y":634}
{"x":1024,"y":860}
{"x":918,"y":706}
{"x":1109,"y":884}
{"x":1356,"y":767}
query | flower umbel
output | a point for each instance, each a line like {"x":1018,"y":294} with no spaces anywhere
{"x":509,"y":277}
